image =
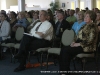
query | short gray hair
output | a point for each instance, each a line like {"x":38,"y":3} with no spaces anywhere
{"x":45,"y":12}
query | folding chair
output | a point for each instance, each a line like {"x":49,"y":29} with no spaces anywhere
{"x":18,"y":37}
{"x":67,"y":39}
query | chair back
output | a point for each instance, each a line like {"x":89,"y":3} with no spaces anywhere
{"x":67,"y":37}
{"x":19,"y":33}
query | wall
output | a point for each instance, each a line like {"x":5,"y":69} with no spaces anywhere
{"x":41,"y":3}
{"x":3,"y":4}
{"x":67,"y":4}
{"x":0,"y":4}
{"x":11,"y":3}
{"x":94,"y":3}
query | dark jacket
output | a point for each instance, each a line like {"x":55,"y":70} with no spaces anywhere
{"x":88,"y":34}
{"x":64,"y":25}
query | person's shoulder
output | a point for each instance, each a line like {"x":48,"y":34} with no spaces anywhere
{"x":47,"y":22}
{"x":92,"y":25}
{"x":5,"y":21}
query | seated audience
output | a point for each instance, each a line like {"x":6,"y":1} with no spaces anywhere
{"x":77,"y":25}
{"x":85,"y":41}
{"x":40,"y":36}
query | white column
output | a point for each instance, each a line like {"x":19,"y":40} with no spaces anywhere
{"x":89,"y":4}
{"x":77,"y":3}
{"x":21,"y":5}
{"x":0,"y":4}
{"x":3,"y":4}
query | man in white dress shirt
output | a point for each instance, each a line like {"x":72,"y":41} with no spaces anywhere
{"x":36,"y":19}
{"x":39,"y":37}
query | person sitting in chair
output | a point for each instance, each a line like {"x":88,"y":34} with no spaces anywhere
{"x":85,"y":41}
{"x":40,"y":36}
{"x":60,"y":27}
{"x":77,"y":25}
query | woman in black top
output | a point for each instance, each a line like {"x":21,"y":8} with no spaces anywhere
{"x":13,"y":21}
{"x":51,"y":19}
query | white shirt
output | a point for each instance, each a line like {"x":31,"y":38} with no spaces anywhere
{"x":46,"y":28}
{"x":76,"y":15}
{"x":5,"y":30}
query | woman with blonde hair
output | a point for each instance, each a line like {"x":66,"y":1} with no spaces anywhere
{"x":77,"y":25}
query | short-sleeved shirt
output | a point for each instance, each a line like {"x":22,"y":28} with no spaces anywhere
{"x":71,"y":19}
{"x":76,"y":26}
{"x":22,"y":22}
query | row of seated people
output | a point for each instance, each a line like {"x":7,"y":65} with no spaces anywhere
{"x":14,"y":23}
{"x":24,"y":20}
{"x":86,"y":38}
{"x":42,"y":33}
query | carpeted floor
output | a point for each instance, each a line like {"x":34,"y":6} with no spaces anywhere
{"x":6,"y":68}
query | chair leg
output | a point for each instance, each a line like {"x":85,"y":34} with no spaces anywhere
{"x":14,"y":54}
{"x":83,"y":61}
{"x":47,"y":61}
{"x":11,"y":54}
{"x":74,"y":64}
{"x":29,"y":56}
{"x":41,"y":59}
{"x":1,"y":54}
{"x":54,"y":60}
{"x":96,"y":63}
{"x":38,"y":57}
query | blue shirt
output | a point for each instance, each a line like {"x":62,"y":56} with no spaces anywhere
{"x":22,"y":22}
{"x":76,"y":26}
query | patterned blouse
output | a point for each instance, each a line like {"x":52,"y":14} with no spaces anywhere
{"x":88,"y":36}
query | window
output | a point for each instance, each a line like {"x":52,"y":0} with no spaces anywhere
{"x":72,"y":5}
{"x":82,"y":5}
{"x":98,"y":4}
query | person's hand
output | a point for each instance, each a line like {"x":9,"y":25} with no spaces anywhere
{"x":14,"y":26}
{"x":40,"y":34}
{"x":76,"y":44}
{"x":72,"y":44}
